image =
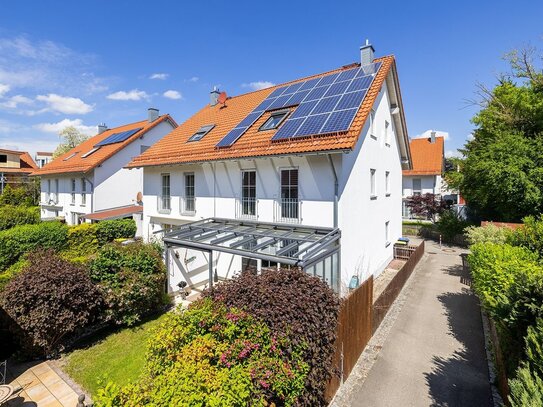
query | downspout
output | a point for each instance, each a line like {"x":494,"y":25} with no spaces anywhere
{"x":336,"y":190}
{"x":214,"y":192}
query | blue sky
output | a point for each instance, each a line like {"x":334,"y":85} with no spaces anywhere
{"x":82,"y":63}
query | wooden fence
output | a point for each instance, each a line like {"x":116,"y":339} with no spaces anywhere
{"x":403,"y":252}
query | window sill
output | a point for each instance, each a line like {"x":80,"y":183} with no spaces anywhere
{"x":83,"y":205}
{"x":373,"y":136}
{"x":189,"y":213}
{"x":164,"y":211}
{"x":372,"y":197}
{"x":387,"y":244}
{"x":72,"y":204}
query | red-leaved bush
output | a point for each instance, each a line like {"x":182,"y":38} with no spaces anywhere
{"x":294,"y":304}
{"x":51,"y":299}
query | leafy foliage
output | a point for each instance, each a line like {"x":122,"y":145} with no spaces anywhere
{"x":19,"y":240}
{"x":450,"y":225}
{"x":109,"y":230}
{"x":131,"y":278}
{"x":50,"y":299}
{"x":294,"y":304}
{"x":530,"y":235}
{"x":213,"y":355}
{"x":71,"y":137}
{"x":11,"y":216}
{"x":534,"y":347}
{"x":82,"y":240}
{"x":487,"y":234}
{"x":427,"y":206}
{"x":526,"y":389}
{"x":26,"y":194}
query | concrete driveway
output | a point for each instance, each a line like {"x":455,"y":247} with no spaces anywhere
{"x":433,"y":354}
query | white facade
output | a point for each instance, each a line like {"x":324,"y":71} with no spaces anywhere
{"x":109,"y":185}
{"x":369,"y":217}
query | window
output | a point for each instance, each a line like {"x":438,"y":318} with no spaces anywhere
{"x":70,"y":156}
{"x":48,"y":192}
{"x":372,"y":124}
{"x":248,"y":193}
{"x":248,"y":264}
{"x":274,"y":121}
{"x":387,"y":183}
{"x":387,"y":236}
{"x":83,"y":191}
{"x":417,"y":189}
{"x":90,"y":152}
{"x":56,"y":191}
{"x":76,"y":218}
{"x":190,"y":204}
{"x":165,"y":199}
{"x":289,"y":194}
{"x":73,"y":191}
{"x":372,"y":184}
{"x":267,"y":264}
{"x":3,"y":158}
{"x":202,"y":131}
{"x":387,"y":133}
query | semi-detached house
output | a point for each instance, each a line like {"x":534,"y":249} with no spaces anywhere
{"x":90,"y":183}
{"x":303,"y":174}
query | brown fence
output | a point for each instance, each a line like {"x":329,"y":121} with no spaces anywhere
{"x":387,"y":297}
{"x":403,"y":252}
{"x":353,"y":333}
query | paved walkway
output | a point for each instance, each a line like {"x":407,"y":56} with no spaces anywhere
{"x":42,"y":386}
{"x":434,"y":353}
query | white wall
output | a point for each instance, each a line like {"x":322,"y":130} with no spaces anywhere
{"x":364,"y":249}
{"x":430,"y":184}
{"x":63,"y":206}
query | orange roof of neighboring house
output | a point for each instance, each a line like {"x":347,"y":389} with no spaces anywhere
{"x":427,"y":156}
{"x":114,"y":213}
{"x":67,"y":163}
{"x":174,"y":148}
{"x":26,"y":163}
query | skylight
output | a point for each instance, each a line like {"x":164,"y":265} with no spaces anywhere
{"x":274,"y":120}
{"x":70,"y":156}
{"x":90,"y":152}
{"x":202,"y":131}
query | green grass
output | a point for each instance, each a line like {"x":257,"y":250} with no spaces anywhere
{"x":119,"y":356}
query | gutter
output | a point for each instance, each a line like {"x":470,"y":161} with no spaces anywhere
{"x":336,"y":190}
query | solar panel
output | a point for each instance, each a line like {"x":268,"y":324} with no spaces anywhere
{"x":338,"y":88}
{"x":304,"y":109}
{"x":326,"y":104}
{"x":293,"y":88}
{"x":312,"y":125}
{"x":339,"y":121}
{"x":297,"y":98}
{"x":310,"y":84}
{"x":118,"y":137}
{"x":317,"y":93}
{"x":231,"y":137}
{"x":279,"y":102}
{"x":288,"y":129}
{"x":277,"y":92}
{"x":350,"y":100}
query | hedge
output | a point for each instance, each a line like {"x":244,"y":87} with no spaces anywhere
{"x":11,"y":216}
{"x":19,"y":240}
{"x":109,"y":230}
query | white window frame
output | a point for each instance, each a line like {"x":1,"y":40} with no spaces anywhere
{"x":387,"y":133}
{"x":83,"y":192}
{"x":165,"y":200}
{"x":289,"y":201}
{"x":72,"y":194}
{"x":418,"y":191}
{"x":387,"y":183}
{"x":245,"y":202}
{"x":56,"y":191}
{"x":372,"y":124}
{"x":387,"y":233}
{"x":185,"y":207}
{"x":48,"y":192}
{"x":373,"y":186}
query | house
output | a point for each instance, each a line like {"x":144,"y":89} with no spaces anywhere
{"x":42,"y":158}
{"x":306,"y":174}
{"x":15,"y":166}
{"x":89,"y":182}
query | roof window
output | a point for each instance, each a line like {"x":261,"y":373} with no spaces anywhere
{"x":90,"y":152}
{"x":70,"y":156}
{"x":202,"y":131}
{"x":274,"y":121}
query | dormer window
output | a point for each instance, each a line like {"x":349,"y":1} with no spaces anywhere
{"x":275,"y":120}
{"x":201,"y":132}
{"x":70,"y":156}
{"x":3,"y":158}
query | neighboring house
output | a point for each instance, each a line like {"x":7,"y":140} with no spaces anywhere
{"x":90,"y":181}
{"x":307,"y":173}
{"x":425,"y":177}
{"x":43,"y":158}
{"x":15,"y":166}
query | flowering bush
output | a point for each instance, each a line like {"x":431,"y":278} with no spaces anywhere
{"x":213,"y":355}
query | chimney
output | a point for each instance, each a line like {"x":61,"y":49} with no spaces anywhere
{"x":366,"y":53}
{"x":432,"y":137}
{"x":214,"y":96}
{"x":152,"y":114}
{"x":101,"y":128}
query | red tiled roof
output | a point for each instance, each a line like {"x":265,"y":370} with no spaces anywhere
{"x":427,"y":157}
{"x":77,"y":163}
{"x":114,"y":213}
{"x":174,"y":148}
{"x":26,"y":163}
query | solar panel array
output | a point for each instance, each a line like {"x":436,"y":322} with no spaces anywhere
{"x":327,"y":104}
{"x":118,"y":137}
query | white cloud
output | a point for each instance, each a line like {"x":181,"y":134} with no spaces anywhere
{"x":427,"y":134}
{"x":258,"y":85}
{"x":14,"y":101}
{"x":58,"y":126}
{"x":65,"y":104}
{"x":133,"y":94}
{"x":4,"y":89}
{"x":193,"y":79}
{"x":172,"y":94}
{"x":453,"y":153}
{"x":161,"y":76}
{"x":469,"y":137}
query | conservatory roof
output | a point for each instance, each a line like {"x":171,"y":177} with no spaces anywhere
{"x":295,"y":245}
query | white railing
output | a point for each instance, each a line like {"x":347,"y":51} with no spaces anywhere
{"x":187,"y":206}
{"x":246,"y":208}
{"x":164,"y":204}
{"x":287,"y":210}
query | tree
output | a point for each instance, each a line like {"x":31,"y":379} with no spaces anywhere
{"x":428,"y":206}
{"x":71,"y":137}
{"x":502,"y":174}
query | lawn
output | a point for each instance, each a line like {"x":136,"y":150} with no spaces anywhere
{"x":120,"y":356}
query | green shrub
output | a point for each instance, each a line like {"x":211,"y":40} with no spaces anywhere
{"x":82,"y":240}
{"x":132,"y":280}
{"x":212,"y":355}
{"x":450,"y":225}
{"x":11,"y":216}
{"x":294,"y":304}
{"x":109,"y":230}
{"x":526,"y":389}
{"x":487,"y":234}
{"x":24,"y":195}
{"x":530,"y":235}
{"x":534,"y":347}
{"x":49,"y":300}
{"x":19,"y":240}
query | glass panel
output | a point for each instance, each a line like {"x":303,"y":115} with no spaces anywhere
{"x":189,"y":193}
{"x":166,"y":192}
{"x":289,"y":193}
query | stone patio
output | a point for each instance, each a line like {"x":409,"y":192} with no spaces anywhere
{"x":42,"y":386}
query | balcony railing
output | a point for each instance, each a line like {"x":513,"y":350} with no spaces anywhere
{"x":164,"y":204}
{"x":187,"y":206}
{"x":246,"y":208}
{"x":288,"y":210}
